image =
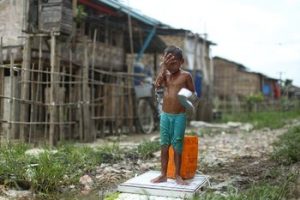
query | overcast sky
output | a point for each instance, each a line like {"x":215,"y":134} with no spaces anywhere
{"x":263,"y":35}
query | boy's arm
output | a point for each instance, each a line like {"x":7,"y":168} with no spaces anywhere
{"x":190,"y":83}
{"x":161,"y":77}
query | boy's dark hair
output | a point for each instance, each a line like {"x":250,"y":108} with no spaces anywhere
{"x":176,"y":51}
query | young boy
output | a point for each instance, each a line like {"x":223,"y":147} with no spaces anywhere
{"x":173,"y":118}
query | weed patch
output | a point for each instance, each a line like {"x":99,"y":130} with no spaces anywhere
{"x":287,"y":148}
{"x":271,"y":120}
{"x":51,"y":170}
{"x":147,"y":148}
{"x":256,"y":192}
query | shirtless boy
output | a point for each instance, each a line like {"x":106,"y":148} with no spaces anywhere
{"x":173,"y":118}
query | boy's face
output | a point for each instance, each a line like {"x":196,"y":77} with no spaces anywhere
{"x":174,"y":64}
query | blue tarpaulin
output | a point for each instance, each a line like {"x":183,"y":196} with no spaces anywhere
{"x":266,"y":89}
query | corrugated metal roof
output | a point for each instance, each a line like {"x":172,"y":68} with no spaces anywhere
{"x":133,"y":13}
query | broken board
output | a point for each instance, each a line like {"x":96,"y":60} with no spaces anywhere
{"x":142,"y":185}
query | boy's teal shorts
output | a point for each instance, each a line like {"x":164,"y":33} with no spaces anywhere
{"x":172,"y":128}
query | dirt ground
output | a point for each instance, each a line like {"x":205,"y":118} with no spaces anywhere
{"x":234,"y":158}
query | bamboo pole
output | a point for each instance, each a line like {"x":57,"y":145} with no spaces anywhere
{"x":70,"y":91}
{"x":61,"y":108}
{"x":1,"y":87}
{"x":28,"y":123}
{"x":12,"y":109}
{"x":113,"y":74}
{"x":101,"y":108}
{"x":38,"y":71}
{"x":86,"y":96}
{"x":80,"y":106}
{"x":72,"y":104}
{"x":112,"y":122}
{"x":25,"y":86}
{"x":39,"y":92}
{"x":47,"y":109}
{"x":53,"y":94}
{"x":94,"y":134}
{"x":32,"y":110}
{"x":130,"y":70}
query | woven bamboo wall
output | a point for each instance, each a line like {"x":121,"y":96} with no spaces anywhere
{"x":230,"y":80}
{"x":247,"y":84}
{"x":224,"y":78}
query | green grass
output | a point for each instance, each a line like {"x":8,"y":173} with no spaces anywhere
{"x":13,"y":164}
{"x":287,"y":148}
{"x":260,"y":120}
{"x":261,"y":191}
{"x":147,"y":148}
{"x":49,"y":171}
{"x":112,"y":196}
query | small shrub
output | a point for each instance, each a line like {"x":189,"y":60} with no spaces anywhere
{"x":147,"y":148}
{"x":253,"y":100}
{"x":48,"y":171}
{"x":13,"y":164}
{"x":48,"y":174}
{"x":287,"y":148}
{"x":110,"y":153}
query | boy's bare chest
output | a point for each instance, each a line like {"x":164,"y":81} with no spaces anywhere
{"x":176,"y":81}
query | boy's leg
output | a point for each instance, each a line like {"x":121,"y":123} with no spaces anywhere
{"x":165,"y":144}
{"x":164,"y":165}
{"x":179,"y":129}
{"x":177,"y":160}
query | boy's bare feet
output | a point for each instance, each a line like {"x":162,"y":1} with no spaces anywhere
{"x":180,"y":181}
{"x":159,"y":179}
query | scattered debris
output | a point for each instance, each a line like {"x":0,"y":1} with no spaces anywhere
{"x":36,"y":152}
{"x":229,"y":125}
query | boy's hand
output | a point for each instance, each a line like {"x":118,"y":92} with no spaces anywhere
{"x":168,"y":59}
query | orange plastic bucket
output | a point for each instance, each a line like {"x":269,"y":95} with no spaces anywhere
{"x":189,"y":158}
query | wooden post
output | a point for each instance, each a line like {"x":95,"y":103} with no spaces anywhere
{"x":130,"y":70}
{"x":74,"y":8}
{"x":62,"y":110}
{"x":12,"y":102}
{"x":195,"y":114}
{"x":53,"y":92}
{"x":88,"y":135}
{"x":79,"y":89}
{"x":1,"y":86}
{"x":47,"y":109}
{"x":32,"y":108}
{"x":25,"y":87}
{"x":70,"y":109}
{"x":94,"y":134}
{"x":39,"y":92}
